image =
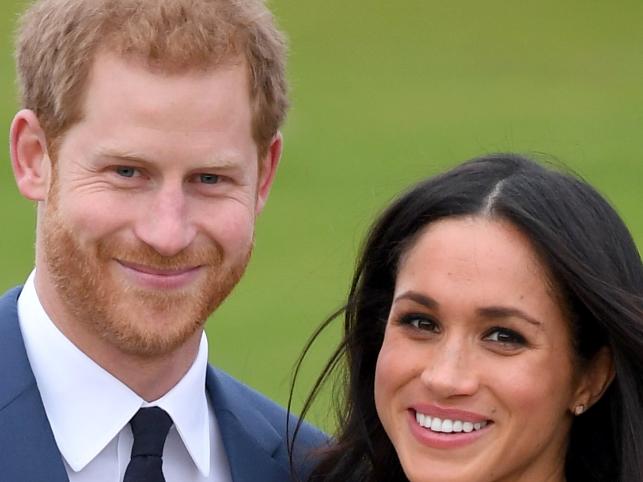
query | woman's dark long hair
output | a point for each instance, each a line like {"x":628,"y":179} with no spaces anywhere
{"x":594,"y":263}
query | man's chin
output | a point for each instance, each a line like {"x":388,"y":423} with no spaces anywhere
{"x":151,"y":332}
{"x":148,"y":323}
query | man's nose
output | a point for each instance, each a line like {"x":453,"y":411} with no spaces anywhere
{"x":167,"y":227}
{"x":451,"y":370}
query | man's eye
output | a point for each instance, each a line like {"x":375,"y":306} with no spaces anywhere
{"x":208,"y":178}
{"x":125,"y":171}
{"x":505,"y":336}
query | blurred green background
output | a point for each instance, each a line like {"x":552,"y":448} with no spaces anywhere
{"x":385,"y":93}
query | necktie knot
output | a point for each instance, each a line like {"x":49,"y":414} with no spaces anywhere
{"x":150,"y":427}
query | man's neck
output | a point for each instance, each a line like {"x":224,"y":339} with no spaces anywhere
{"x":150,"y":377}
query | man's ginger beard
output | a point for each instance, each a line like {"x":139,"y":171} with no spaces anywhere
{"x":123,"y":314}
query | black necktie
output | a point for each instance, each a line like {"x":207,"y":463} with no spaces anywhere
{"x":149,"y":427}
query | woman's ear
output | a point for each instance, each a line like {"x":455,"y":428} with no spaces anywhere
{"x":596,"y":377}
{"x":29,"y":158}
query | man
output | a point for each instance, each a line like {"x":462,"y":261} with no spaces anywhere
{"x":149,"y":140}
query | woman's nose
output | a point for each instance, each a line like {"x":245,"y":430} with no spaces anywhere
{"x":450,"y":371}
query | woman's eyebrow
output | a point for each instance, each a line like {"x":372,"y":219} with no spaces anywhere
{"x":486,"y":312}
{"x":506,"y":312}
{"x":419,"y":298}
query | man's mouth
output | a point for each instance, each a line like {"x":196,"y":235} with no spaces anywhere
{"x":161,"y":278}
{"x":157,"y":271}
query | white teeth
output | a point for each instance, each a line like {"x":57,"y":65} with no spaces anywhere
{"x":419,"y":417}
{"x":446,"y":425}
{"x":436,"y":424}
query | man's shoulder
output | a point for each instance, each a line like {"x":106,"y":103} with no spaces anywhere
{"x":24,"y":428}
{"x":16,"y":375}
{"x":9,"y":300}
{"x":237,"y":394}
{"x":270,"y":423}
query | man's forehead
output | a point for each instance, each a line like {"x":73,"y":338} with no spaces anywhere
{"x":136,"y":84}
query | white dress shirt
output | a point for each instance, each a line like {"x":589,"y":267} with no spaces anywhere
{"x":89,"y":409}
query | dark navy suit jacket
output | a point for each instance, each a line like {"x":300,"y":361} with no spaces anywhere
{"x":252,"y":427}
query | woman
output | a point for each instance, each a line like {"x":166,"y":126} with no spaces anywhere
{"x":493,"y":332}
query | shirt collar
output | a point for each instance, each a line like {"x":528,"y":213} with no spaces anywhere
{"x":87,"y":410}
{"x":187,"y":405}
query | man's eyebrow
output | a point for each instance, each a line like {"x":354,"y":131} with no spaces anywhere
{"x":419,"y":298}
{"x":229,"y":162}
{"x":122,"y":156}
{"x":507,"y":312}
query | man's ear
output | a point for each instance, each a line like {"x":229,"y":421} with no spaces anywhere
{"x":29,"y":157}
{"x":596,"y":377}
{"x":267,"y":169}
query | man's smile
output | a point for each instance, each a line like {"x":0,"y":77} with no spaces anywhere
{"x":160,"y":278}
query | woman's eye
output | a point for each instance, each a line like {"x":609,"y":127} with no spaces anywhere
{"x":505,"y":336}
{"x":420,"y":322}
{"x":125,"y":171}
{"x":208,"y":178}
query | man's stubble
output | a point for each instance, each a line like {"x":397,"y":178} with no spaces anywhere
{"x":135,"y":320}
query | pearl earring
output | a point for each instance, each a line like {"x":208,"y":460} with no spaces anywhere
{"x":579,"y":409}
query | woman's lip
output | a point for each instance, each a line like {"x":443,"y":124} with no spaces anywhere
{"x":438,"y":440}
{"x":450,"y":413}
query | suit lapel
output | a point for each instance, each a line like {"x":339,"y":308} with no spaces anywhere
{"x":250,"y":440}
{"x":28,"y":450}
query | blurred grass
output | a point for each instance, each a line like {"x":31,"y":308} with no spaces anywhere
{"x":385,"y":93}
